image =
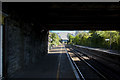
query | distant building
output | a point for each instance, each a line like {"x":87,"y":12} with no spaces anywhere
{"x":64,"y":40}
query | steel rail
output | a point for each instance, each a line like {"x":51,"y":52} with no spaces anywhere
{"x":106,"y":67}
{"x":76,"y":70}
{"x":80,"y":57}
{"x":107,"y":59}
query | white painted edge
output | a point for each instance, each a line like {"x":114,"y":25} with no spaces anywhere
{"x":98,"y":50}
{"x":73,"y":67}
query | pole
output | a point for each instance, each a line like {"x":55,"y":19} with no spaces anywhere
{"x":0,"y":51}
{"x":110,"y":40}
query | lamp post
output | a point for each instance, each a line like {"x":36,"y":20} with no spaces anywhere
{"x":107,"y":39}
{"x":110,"y":40}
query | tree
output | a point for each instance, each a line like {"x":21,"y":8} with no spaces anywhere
{"x":97,"y":39}
{"x":54,"y":39}
{"x":71,"y":38}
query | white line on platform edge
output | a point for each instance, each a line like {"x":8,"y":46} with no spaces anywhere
{"x":74,"y":70}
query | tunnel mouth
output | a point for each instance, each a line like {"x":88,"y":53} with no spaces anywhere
{"x":26,"y":41}
{"x":103,"y":39}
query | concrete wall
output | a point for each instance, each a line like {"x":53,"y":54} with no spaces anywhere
{"x":24,"y":46}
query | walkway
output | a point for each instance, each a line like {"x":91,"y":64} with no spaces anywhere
{"x":103,"y":50}
{"x":54,"y":66}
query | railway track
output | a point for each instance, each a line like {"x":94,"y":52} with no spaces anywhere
{"x":92,"y":69}
{"x":107,"y":67}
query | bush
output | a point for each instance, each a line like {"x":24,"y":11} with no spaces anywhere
{"x":97,"y":39}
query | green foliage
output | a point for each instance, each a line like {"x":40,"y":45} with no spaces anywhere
{"x":97,"y":39}
{"x":54,"y":39}
{"x":76,"y":39}
{"x":71,"y":38}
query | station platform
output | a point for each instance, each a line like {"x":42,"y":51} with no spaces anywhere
{"x":102,"y":50}
{"x":53,"y":66}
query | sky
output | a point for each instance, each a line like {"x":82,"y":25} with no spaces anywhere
{"x":63,"y":34}
{"x":56,"y":31}
{"x":61,"y":31}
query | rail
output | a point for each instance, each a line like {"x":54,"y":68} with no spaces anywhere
{"x":81,"y":58}
{"x":111,"y":71}
{"x":76,"y":70}
{"x":115,"y":58}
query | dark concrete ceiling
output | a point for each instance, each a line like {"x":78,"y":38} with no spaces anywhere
{"x":66,"y":15}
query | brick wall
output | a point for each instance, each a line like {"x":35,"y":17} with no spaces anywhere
{"x":24,"y":46}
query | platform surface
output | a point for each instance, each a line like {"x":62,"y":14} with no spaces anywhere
{"x":102,"y":50}
{"x":55,"y":65}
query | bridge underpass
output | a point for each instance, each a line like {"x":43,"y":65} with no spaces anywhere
{"x":25,"y":29}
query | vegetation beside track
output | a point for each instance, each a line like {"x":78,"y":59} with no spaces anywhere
{"x":98,"y":39}
{"x":53,"y":39}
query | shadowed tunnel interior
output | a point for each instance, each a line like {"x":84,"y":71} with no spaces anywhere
{"x":26,"y":28}
{"x":69,"y":16}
